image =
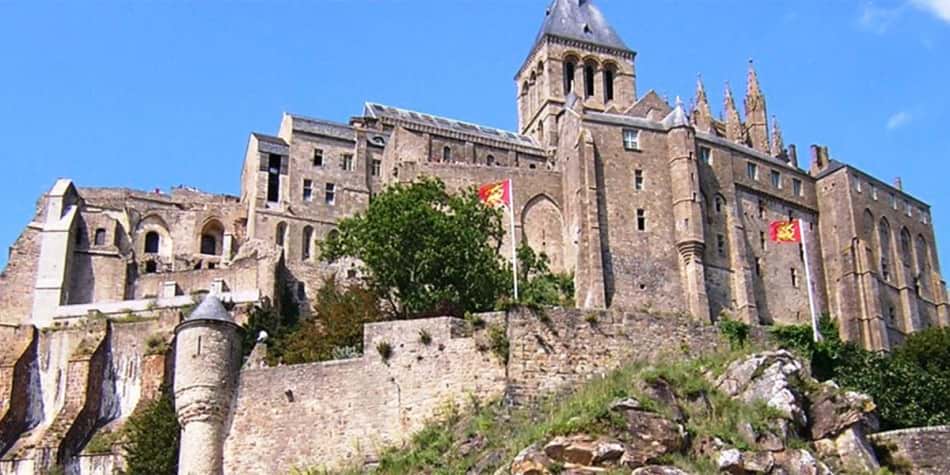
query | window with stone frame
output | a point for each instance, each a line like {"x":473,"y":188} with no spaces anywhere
{"x":347,"y":162}
{"x":776,"y":179}
{"x":152,"y":241}
{"x":796,"y":187}
{"x":874,"y":192}
{"x":317,"y":157}
{"x":100,"y":237}
{"x":308,"y":190}
{"x":752,"y":171}
{"x":638,"y":180}
{"x":376,"y":167}
{"x":330,"y":195}
{"x":705,"y":155}
{"x":631,"y":139}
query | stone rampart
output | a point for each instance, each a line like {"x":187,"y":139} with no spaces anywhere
{"x":920,"y":451}
{"x":323,"y":414}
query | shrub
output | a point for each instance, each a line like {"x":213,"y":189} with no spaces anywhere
{"x":735,"y":331}
{"x":499,"y":343}
{"x":539,"y":286}
{"x":385,"y":350}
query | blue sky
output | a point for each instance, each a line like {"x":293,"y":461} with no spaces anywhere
{"x":158,"y":93}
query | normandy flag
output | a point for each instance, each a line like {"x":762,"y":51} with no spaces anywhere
{"x":786,"y":231}
{"x":496,"y":194}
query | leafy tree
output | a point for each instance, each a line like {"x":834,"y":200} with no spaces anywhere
{"x":277,"y":322}
{"x":152,"y":438}
{"x":539,"y":286}
{"x":424,"y":248}
{"x":337,"y":324}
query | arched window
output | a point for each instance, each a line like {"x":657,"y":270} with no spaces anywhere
{"x":280,"y":235}
{"x":719,"y":203}
{"x":884,"y":240}
{"x":212,"y":237}
{"x":569,"y":66}
{"x":306,"y":243}
{"x":100,"y":237}
{"x":609,"y":73}
{"x":906,"y":256}
{"x":446,"y":154}
{"x":491,"y":160}
{"x":152,"y":242}
{"x":923,"y":266}
{"x":589,"y":80}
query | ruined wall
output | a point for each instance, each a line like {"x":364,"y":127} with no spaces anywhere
{"x":923,"y":449}
{"x":350,"y":408}
{"x":19,"y":277}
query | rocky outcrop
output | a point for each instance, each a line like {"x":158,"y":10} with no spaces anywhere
{"x":772,"y":377}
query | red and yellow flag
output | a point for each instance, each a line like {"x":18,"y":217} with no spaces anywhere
{"x":785,"y":231}
{"x":496,"y":194}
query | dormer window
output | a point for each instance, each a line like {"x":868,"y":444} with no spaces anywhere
{"x":631,"y":139}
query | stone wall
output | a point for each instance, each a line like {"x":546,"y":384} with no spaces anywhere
{"x":553,"y":349}
{"x":920,"y":451}
{"x":326,"y":413}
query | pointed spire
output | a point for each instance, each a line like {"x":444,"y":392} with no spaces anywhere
{"x":735,"y":131}
{"x":778,"y":145}
{"x":677,"y":117}
{"x":702,"y":114}
{"x":755,"y":115}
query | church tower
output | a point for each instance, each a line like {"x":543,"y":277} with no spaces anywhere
{"x":575,"y":53}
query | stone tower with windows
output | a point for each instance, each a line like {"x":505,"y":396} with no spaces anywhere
{"x":576,"y":52}
{"x":207,"y":360}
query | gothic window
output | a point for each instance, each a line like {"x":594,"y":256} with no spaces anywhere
{"x":641,"y":220}
{"x":609,"y":74}
{"x":905,"y":247}
{"x":569,"y":67}
{"x":152,"y":241}
{"x":306,"y":243}
{"x":588,"y":80}
{"x":884,"y":240}
{"x":100,"y":238}
{"x":631,"y":139}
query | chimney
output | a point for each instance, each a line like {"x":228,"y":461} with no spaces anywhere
{"x":816,"y":157}
{"x":898,"y":184}
{"x":793,"y":156}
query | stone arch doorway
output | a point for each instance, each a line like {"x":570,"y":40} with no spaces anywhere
{"x":542,"y":228}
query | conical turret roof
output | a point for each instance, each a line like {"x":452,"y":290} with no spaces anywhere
{"x":579,"y":20}
{"x":210,"y":309}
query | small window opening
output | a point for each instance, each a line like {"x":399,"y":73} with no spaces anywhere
{"x":718,"y":205}
{"x":306,"y":243}
{"x":280,"y":234}
{"x":758,"y":266}
{"x":721,"y":244}
{"x":761,"y":209}
{"x":330,"y":195}
{"x":776,"y":178}
{"x":608,"y":85}
{"x":152,"y":241}
{"x":638,"y":180}
{"x":752,"y":171}
{"x":209,"y":245}
{"x":794,"y":275}
{"x":446,"y":154}
{"x":318,"y":157}
{"x":301,"y":291}
{"x":569,"y":68}
{"x":641,"y":220}
{"x":346,"y":164}
{"x":151,"y":267}
{"x":308,"y":190}
{"x":705,"y":155}
{"x":273,"y":178}
{"x":100,"y":238}
{"x":588,"y":80}
{"x":631,"y":139}
{"x":761,"y":240}
{"x":377,"y":166}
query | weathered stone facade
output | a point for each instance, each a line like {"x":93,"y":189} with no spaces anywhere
{"x":921,"y":451}
{"x":658,"y":212}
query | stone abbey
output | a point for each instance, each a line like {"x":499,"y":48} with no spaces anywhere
{"x":653,"y":207}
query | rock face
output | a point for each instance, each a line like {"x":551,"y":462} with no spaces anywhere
{"x":771,"y":377}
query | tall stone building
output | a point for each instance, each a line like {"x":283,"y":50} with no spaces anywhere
{"x":647,"y":203}
{"x":660,"y":212}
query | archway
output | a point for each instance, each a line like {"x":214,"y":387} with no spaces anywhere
{"x":542,"y":229}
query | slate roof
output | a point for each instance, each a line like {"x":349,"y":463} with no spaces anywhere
{"x":269,"y":138}
{"x":323,"y":127}
{"x":382,"y":111}
{"x":210,"y":309}
{"x":580,"y":20}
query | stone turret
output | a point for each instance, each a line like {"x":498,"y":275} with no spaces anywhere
{"x":755,"y":115}
{"x":687,"y":210}
{"x":207,"y":359}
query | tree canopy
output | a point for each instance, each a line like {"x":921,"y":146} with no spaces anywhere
{"x":427,"y":250}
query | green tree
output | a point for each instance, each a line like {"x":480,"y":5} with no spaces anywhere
{"x":337,"y":324}
{"x":279,"y":323}
{"x":152,"y":438}
{"x":540,"y":286}
{"x":425,"y":249}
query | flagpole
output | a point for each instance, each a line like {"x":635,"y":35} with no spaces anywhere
{"x":514,"y":247}
{"x":816,"y":333}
